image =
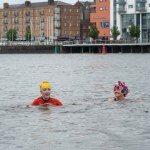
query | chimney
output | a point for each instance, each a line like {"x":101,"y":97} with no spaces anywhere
{"x":50,"y":2}
{"x":27,"y":3}
{"x":6,"y":5}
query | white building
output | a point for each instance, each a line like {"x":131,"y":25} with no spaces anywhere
{"x":128,"y":12}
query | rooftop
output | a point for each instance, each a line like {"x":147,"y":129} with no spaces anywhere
{"x":37,"y":4}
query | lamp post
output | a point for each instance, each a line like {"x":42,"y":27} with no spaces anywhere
{"x":1,"y":37}
{"x":28,"y":38}
{"x":31,"y":31}
{"x":12,"y":37}
{"x":47,"y":30}
{"x":104,"y":38}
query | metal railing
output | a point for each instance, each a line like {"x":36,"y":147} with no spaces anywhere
{"x":141,"y":9}
{"x":76,"y":42}
{"x":141,"y":1}
{"x":121,"y":2}
{"x":122,"y":10}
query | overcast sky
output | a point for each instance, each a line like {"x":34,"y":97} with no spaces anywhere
{"x":22,"y":1}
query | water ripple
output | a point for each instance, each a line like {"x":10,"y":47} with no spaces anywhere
{"x":89,"y":119}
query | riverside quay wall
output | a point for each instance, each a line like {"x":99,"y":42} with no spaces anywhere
{"x":108,"y":48}
{"x":17,"y":49}
{"x":76,"y":48}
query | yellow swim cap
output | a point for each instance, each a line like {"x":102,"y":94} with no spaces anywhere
{"x":45,"y":84}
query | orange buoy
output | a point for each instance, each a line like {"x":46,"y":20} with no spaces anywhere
{"x":103,"y":49}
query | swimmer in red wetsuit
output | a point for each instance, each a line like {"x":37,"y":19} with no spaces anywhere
{"x":45,"y":99}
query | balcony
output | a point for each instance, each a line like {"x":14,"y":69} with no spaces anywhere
{"x":16,"y":28}
{"x":42,"y":20}
{"x":122,"y":10}
{"x":15,"y":21}
{"x":16,"y":14}
{"x":57,"y":10}
{"x":57,"y":17}
{"x":27,"y":13}
{"x":28,"y":21}
{"x":57,"y":24}
{"x":121,"y":2}
{"x":141,"y":9}
{"x":5,"y":14}
{"x":5,"y":22}
{"x":141,"y":1}
{"x":57,"y":28}
{"x":144,"y":26}
{"x":93,"y":10}
{"x":42,"y":12}
{"x":57,"y":32}
{"x":5,"y":28}
{"x":42,"y":28}
{"x":27,"y":28}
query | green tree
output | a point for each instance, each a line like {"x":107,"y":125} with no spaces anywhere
{"x":93,"y":32}
{"x":134,"y":32}
{"x":28,"y":36}
{"x":115,"y":32}
{"x":11,"y":35}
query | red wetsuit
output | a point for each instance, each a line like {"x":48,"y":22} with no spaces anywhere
{"x":51,"y":101}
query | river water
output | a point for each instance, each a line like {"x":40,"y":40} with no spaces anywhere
{"x":89,"y":119}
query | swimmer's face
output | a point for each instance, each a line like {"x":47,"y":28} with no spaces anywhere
{"x":118,"y":93}
{"x":46,"y":93}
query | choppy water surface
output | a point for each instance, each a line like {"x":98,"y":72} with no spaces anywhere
{"x":89,"y":119}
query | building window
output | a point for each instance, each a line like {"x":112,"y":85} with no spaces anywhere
{"x":101,"y":8}
{"x":42,"y":18}
{"x":102,"y":0}
{"x":27,"y":13}
{"x":42,"y":12}
{"x":130,"y":6}
{"x":16,"y":13}
{"x":42,"y":26}
{"x":42,"y":33}
{"x":104,"y":24}
{"x":16,"y":28}
{"x":28,"y":20}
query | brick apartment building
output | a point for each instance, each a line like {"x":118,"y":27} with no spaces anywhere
{"x":85,"y":11}
{"x":100,"y":16}
{"x":46,"y":20}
